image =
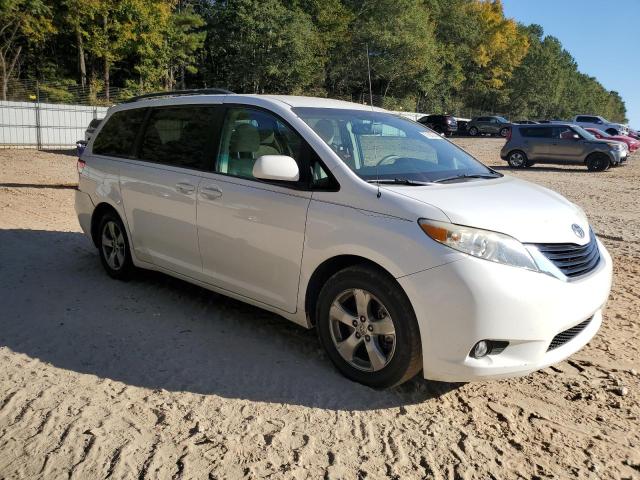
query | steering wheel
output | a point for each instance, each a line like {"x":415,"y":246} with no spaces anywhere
{"x":387,"y":157}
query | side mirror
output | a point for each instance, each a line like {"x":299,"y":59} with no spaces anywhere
{"x":276,"y":167}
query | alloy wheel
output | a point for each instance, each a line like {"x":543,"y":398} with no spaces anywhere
{"x":516,"y":159}
{"x":362,"y":330}
{"x":113,"y":245}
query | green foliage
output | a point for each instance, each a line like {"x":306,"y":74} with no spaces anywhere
{"x":453,"y":56}
{"x":21,"y":22}
{"x":260,"y":46}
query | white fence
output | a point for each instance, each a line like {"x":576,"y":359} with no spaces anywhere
{"x":44,"y":125}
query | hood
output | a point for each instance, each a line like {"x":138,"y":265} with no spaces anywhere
{"x":526,"y":211}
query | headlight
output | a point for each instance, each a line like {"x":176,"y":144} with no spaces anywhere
{"x":485,"y":244}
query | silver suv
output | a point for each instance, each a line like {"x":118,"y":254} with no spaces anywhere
{"x":560,"y":144}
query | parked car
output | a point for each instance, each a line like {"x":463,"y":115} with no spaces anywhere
{"x":491,"y":125}
{"x":440,"y":123}
{"x":381,"y":234}
{"x":595,"y":121}
{"x":560,"y":144}
{"x":93,"y":125}
{"x":631,"y":143}
{"x":632,"y":133}
{"x":463,"y":125}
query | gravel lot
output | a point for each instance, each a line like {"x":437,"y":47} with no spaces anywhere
{"x":156,"y":378}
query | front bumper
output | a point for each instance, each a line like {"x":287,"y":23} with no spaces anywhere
{"x":463,"y":302}
{"x":619,"y":156}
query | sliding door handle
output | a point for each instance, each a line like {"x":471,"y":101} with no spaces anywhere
{"x":211,"y":192}
{"x":185,"y":188}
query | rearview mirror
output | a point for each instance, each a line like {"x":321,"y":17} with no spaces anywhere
{"x":276,"y":167}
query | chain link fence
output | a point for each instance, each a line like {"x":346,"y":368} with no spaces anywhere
{"x":51,"y":115}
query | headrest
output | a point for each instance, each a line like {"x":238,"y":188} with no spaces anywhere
{"x":324,"y":129}
{"x":244,"y":138}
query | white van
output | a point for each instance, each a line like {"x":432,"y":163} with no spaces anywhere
{"x":404,"y":252}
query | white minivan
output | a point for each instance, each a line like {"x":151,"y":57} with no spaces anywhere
{"x":404,"y":252}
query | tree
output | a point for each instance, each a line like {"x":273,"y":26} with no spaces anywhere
{"x":77,"y":16}
{"x":498,"y":49}
{"x":22,"y":22}
{"x":167,"y":46}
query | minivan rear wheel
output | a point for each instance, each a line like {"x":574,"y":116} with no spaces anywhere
{"x":597,"y":162}
{"x":367,"y":326}
{"x":517,"y":159}
{"x":113,"y":246}
{"x":504,"y":131}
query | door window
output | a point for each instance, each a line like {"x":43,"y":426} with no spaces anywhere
{"x":179,"y":136}
{"x":563,"y":133}
{"x":249,"y":134}
{"x":118,"y":136}
{"x":537,"y":132}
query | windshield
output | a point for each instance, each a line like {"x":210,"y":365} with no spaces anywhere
{"x":378,"y":145}
{"x":586,"y":134}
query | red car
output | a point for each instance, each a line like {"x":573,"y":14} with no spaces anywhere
{"x":632,"y":143}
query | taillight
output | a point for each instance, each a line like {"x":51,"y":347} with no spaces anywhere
{"x":81,"y":165}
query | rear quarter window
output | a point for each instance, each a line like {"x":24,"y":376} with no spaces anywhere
{"x":118,"y":136}
{"x":537,"y":132}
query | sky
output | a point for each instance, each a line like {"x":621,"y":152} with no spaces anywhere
{"x":603,"y":37}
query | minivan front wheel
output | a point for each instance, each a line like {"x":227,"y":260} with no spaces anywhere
{"x":473,"y":131}
{"x":368,"y":328}
{"x":113,"y":246}
{"x":517,"y":159}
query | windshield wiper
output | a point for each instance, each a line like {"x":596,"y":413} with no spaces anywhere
{"x":475,"y":175}
{"x":398,"y":181}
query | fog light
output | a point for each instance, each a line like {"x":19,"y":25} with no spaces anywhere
{"x":480,"y":349}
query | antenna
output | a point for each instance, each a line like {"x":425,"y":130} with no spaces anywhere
{"x":375,"y":150}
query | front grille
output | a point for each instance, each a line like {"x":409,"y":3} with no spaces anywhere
{"x":569,"y":334}
{"x":572,"y":260}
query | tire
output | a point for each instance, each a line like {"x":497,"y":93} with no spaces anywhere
{"x":438,"y":129}
{"x":504,"y":131}
{"x":518,"y":159}
{"x":384,"y":349}
{"x":473,"y":131}
{"x":115,"y":258}
{"x":598,"y":162}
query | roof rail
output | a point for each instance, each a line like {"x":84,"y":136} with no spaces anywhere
{"x":177,"y":93}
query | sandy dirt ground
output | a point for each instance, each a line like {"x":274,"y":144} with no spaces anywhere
{"x":156,"y":378}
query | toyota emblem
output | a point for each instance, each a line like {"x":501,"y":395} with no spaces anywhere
{"x":577,"y":230}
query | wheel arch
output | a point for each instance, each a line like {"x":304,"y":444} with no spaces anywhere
{"x":326,"y":270}
{"x":98,"y":213}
